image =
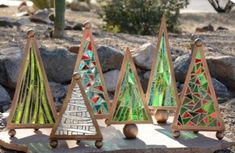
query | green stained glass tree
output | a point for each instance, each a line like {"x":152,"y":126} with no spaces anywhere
{"x":198,"y":109}
{"x":32,"y":105}
{"x":129,"y":104}
{"x":88,"y":66}
{"x":162,"y":92}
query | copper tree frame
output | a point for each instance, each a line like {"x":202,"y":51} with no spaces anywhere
{"x":76,"y":79}
{"x":175,"y":127}
{"x":127,"y":58}
{"x":31,"y":40}
{"x":87,"y":31}
{"x":163,"y":29}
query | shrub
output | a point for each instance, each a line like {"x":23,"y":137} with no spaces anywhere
{"x":141,"y":16}
{"x":41,"y":4}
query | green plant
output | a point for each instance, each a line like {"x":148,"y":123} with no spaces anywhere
{"x":59,"y":18}
{"x":141,"y":16}
{"x":41,"y":4}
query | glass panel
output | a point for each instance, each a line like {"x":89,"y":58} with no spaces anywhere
{"x":91,"y":80}
{"x":76,"y":119}
{"x":130,"y":103}
{"x":162,"y":91}
{"x":32,"y":104}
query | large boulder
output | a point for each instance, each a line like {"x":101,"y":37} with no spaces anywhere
{"x":42,"y":16}
{"x":110,"y":58}
{"x":79,"y":6}
{"x":221,"y":90}
{"x":58,"y":91}
{"x":5,"y":97}
{"x":144,"y":55}
{"x":58,"y":63}
{"x":111,"y":78}
{"x":223,"y":68}
{"x":10,"y":61}
{"x":181,"y":66}
{"x":8,"y":22}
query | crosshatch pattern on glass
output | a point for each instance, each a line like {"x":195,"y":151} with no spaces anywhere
{"x":76,"y":119}
{"x":162,"y":91}
{"x":91,"y":80}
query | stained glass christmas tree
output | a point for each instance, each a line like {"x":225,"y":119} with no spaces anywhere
{"x":32,"y":106}
{"x":198,"y":109}
{"x":129,"y":104}
{"x":88,"y":66}
{"x":162,"y":91}
{"x":76,"y":120}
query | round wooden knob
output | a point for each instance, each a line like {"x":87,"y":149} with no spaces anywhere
{"x":198,"y":42}
{"x":30,"y":33}
{"x":87,"y":24}
{"x":76,"y":76}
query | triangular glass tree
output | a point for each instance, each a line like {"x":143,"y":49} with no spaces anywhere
{"x":198,"y":109}
{"x":88,"y":66}
{"x":162,"y":92}
{"x":32,"y":105}
{"x":129,"y":104}
{"x":76,"y":120}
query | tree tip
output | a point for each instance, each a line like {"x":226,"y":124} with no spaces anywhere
{"x":76,"y":76}
{"x":30,"y":33}
{"x":87,"y":24}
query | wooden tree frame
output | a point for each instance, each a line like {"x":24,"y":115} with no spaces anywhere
{"x":163,"y":29}
{"x":31,"y":41}
{"x":175,"y":126}
{"x":98,"y":137}
{"x":87,"y":32}
{"x":128,"y":58}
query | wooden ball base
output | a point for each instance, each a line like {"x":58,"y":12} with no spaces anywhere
{"x":161,"y":116}
{"x":219,"y":134}
{"x":130,"y":131}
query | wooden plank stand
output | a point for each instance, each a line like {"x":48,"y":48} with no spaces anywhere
{"x":162,"y":94}
{"x":198,"y":109}
{"x":32,"y":105}
{"x":76,"y":119}
{"x":129,"y":105}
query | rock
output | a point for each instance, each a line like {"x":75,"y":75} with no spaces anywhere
{"x":58,"y":91}
{"x":79,"y":6}
{"x":111,"y":78}
{"x":74,"y":49}
{"x":10,"y":61}
{"x":3,"y":6}
{"x":208,"y":28}
{"x":221,"y":28}
{"x":181,"y":66}
{"x":110,"y":58}
{"x":143,"y":56}
{"x":220,"y":89}
{"x":144,"y":79}
{"x":8,"y":22}
{"x":73,"y":26}
{"x":223,"y":69}
{"x":5,"y":97}
{"x":42,"y":16}
{"x":58,"y":63}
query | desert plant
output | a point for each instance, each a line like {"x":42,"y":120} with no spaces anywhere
{"x":217,"y":5}
{"x":141,"y":16}
{"x":59,"y":22}
{"x":41,"y":4}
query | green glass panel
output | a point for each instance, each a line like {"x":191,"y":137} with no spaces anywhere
{"x":91,"y":80}
{"x":130,"y":106}
{"x":203,"y":105}
{"x":162,"y":91}
{"x":32,"y":104}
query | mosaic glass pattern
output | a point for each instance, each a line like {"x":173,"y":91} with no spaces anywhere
{"x":162,"y":90}
{"x":91,"y":80}
{"x":32,"y":103}
{"x":197,"y":108}
{"x":76,"y":119}
{"x":129,"y":104}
